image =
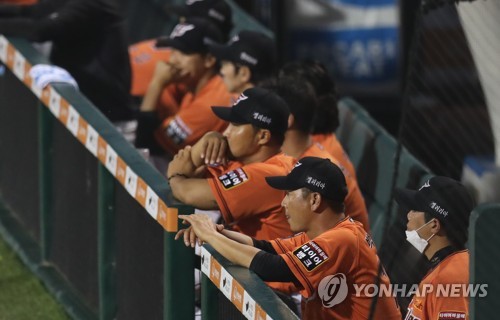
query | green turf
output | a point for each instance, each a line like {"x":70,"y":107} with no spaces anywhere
{"x":22,"y":295}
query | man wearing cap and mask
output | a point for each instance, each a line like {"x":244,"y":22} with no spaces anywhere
{"x":247,"y":60}
{"x":251,"y":144}
{"x":328,"y":245}
{"x":438,"y":221}
{"x":194,"y":67}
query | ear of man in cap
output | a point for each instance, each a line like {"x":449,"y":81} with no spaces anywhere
{"x":444,"y":199}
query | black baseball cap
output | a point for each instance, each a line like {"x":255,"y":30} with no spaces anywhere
{"x":192,"y":36}
{"x":259,"y":107}
{"x":316,"y":174}
{"x":250,"y":48}
{"x":218,"y":11}
{"x":444,"y":199}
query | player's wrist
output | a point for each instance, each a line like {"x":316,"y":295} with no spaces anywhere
{"x":213,"y":236}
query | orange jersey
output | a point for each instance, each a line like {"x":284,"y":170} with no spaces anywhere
{"x":247,"y":201}
{"x":143,"y":59}
{"x":453,"y":270}
{"x":347,"y":252}
{"x":332,"y":145}
{"x":354,"y":202}
{"x":195,"y":117}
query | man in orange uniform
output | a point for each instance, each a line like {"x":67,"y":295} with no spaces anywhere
{"x":438,"y":221}
{"x":146,"y":59}
{"x":326,"y":118}
{"x":194,"y":67}
{"x":299,"y":143}
{"x":252,"y":142}
{"x":330,"y":255}
{"x":145,"y":55}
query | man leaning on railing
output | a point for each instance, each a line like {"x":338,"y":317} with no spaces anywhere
{"x":330,"y":257}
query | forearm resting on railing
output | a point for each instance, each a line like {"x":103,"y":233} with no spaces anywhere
{"x":237,"y":253}
{"x":238,"y":237}
{"x":194,"y":192}
{"x":206,"y":230}
{"x":270,"y":267}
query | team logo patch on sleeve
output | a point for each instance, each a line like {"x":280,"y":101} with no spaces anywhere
{"x":310,"y":255}
{"x":233,"y":178}
{"x":177,"y":131}
{"x":451,"y":315}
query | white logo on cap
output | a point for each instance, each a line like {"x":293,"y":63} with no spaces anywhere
{"x":426,"y":185}
{"x":240,"y":98}
{"x":261,"y":117}
{"x":315,"y":182}
{"x":180,"y":30}
{"x":440,"y":210}
{"x":209,"y":41}
{"x":235,"y":38}
{"x":217,"y":15}
{"x":248,"y":58}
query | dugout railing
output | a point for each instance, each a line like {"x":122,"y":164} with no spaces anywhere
{"x":86,"y":212}
{"x":249,"y":297}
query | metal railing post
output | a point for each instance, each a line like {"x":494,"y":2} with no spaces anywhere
{"x":209,"y":300}
{"x":106,"y":242}
{"x":178,"y":292}
{"x":45,"y":150}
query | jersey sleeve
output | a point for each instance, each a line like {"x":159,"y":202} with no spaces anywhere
{"x":444,"y":308}
{"x":242,"y":192}
{"x":187,"y":126}
{"x":143,"y":59}
{"x":283,"y":245}
{"x":323,"y":256}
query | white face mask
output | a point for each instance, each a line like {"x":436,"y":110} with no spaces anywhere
{"x":415,"y":240}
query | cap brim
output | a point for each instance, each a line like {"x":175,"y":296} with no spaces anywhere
{"x":225,"y":114}
{"x":167,"y":42}
{"x":281,"y":183}
{"x":222,"y":52}
{"x":407,"y":198}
